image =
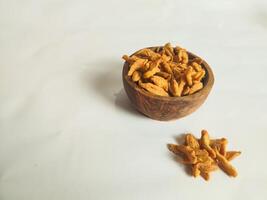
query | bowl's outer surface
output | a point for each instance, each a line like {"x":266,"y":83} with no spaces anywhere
{"x":166,"y":108}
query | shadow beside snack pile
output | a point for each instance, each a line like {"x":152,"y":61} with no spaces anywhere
{"x":122,"y":101}
{"x":111,"y":89}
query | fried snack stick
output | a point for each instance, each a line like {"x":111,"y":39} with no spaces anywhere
{"x":166,"y":67}
{"x":165,"y":58}
{"x":168,"y":47}
{"x":153,"y":69}
{"x":230,"y":155}
{"x":153,"y":89}
{"x":185,"y":57}
{"x":131,"y":59}
{"x":197,"y":60}
{"x":186,"y":91}
{"x":164,"y":75}
{"x":205,"y":143}
{"x":203,"y":169}
{"x":175,"y":88}
{"x":159,"y":81}
{"x":186,"y":151}
{"x":224,"y":143}
{"x":196,"y":66}
{"x":136,"y":76}
{"x":225,"y":165}
{"x":182,"y":55}
{"x":189,"y":76}
{"x":208,"y":166}
{"x":136,"y":65}
{"x":199,"y":75}
{"x":169,"y":51}
{"x":195,"y":170}
{"x":220,"y":145}
{"x":151,"y":72}
{"x":196,"y":87}
{"x":148,"y":54}
{"x":181,"y":87}
{"x":191,"y":141}
{"x":205,"y":175}
{"x":177,"y":73}
{"x":202,"y":155}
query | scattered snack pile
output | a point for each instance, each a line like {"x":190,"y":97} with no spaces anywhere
{"x":205,"y":155}
{"x":166,"y":71}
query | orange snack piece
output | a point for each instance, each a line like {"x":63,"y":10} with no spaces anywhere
{"x":183,"y":76}
{"x":205,"y":155}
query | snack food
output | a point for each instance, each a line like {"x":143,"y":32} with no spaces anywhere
{"x":166,"y":68}
{"x":205,"y":155}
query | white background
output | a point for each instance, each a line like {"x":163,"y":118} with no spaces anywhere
{"x":67,"y":129}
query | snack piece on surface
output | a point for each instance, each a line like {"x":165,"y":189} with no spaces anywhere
{"x":205,"y":155}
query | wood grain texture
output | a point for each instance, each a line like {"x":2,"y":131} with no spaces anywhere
{"x":167,"y":108}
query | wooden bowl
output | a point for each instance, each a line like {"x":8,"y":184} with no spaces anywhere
{"x":167,"y":108}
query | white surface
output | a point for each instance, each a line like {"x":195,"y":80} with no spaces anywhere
{"x":67,"y":130}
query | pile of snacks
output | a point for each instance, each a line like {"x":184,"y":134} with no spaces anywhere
{"x":166,"y":71}
{"x":205,"y":155}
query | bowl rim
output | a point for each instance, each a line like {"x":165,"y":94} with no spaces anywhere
{"x":207,"y":86}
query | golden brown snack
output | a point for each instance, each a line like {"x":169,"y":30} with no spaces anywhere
{"x":186,"y":90}
{"x":153,"y":89}
{"x":180,"y":53}
{"x":185,"y":57}
{"x":205,"y":175}
{"x":196,"y":66}
{"x":165,"y":75}
{"x":205,"y":143}
{"x":180,"y":88}
{"x":147,"y":53}
{"x":131,"y":59}
{"x":230,"y":155}
{"x":166,"y":67}
{"x":224,"y":142}
{"x":191,"y":141}
{"x":220,"y":145}
{"x":165,"y":58}
{"x":196,"y":153}
{"x":161,"y":82}
{"x":195,"y":170}
{"x":225,"y":165}
{"x":198,"y":60}
{"x":177,"y":73}
{"x":196,"y":87}
{"x":214,"y":166}
{"x":168,"y":47}
{"x":202,"y":155}
{"x":189,"y":76}
{"x":151,"y":72}
{"x":153,"y":69}
{"x":174,"y":87}
{"x":215,"y":144}
{"x":136,"y":76}
{"x":186,"y":151}
{"x":199,"y":75}
{"x":168,"y":51}
{"x":167,"y":62}
{"x":136,"y":65}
